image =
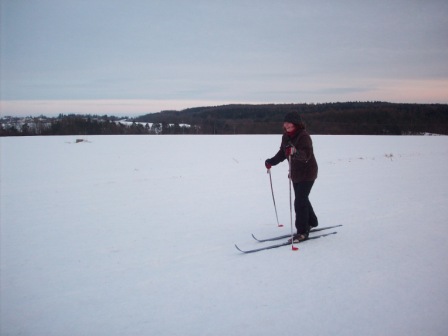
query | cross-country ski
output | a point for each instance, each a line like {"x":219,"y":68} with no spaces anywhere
{"x":282,"y":244}
{"x":289,"y":235}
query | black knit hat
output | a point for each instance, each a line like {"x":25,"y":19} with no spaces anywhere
{"x":293,"y":118}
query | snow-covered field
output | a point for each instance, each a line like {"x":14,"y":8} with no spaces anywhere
{"x":134,"y":235}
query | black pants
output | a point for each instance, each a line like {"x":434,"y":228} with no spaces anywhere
{"x":305,"y":216}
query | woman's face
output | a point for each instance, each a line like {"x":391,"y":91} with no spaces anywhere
{"x":289,"y":127}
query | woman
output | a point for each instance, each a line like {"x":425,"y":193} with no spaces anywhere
{"x":297,"y":146}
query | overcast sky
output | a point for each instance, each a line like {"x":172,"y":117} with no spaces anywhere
{"x":128,"y":57}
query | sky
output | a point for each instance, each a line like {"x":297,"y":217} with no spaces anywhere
{"x":143,"y":56}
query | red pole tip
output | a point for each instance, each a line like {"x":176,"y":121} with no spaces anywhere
{"x":295,"y":248}
{"x":280,"y":225}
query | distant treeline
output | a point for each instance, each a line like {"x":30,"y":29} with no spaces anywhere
{"x":72,"y":124}
{"x":370,"y":118}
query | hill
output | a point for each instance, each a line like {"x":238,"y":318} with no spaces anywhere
{"x":350,"y":118}
{"x":134,"y":235}
{"x":370,"y":118}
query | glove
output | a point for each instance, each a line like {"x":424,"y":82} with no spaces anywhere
{"x":267,"y":164}
{"x":290,"y":150}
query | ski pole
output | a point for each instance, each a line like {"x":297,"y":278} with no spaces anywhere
{"x":273,"y":199}
{"x":294,"y":248}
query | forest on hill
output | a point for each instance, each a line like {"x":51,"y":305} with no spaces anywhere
{"x":360,"y":118}
{"x":370,"y":118}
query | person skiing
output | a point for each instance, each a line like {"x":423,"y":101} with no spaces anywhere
{"x":297,"y":146}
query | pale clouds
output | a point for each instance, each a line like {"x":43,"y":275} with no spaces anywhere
{"x":209,"y":52}
{"x":126,"y":107}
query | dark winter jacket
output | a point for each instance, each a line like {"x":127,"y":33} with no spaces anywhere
{"x":303,"y":162}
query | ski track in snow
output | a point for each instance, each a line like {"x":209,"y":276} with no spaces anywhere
{"x":134,"y":235}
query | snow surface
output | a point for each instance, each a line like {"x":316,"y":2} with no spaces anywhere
{"x":134,"y":235}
